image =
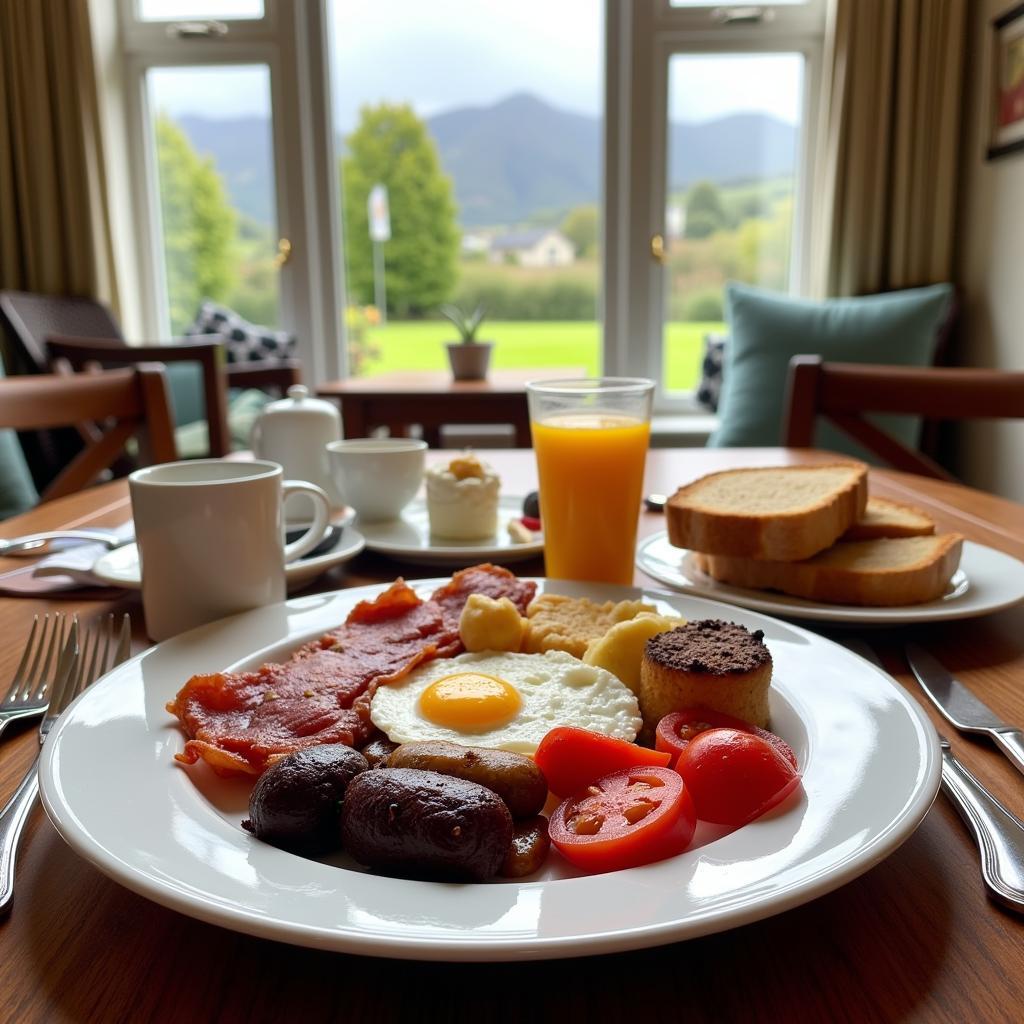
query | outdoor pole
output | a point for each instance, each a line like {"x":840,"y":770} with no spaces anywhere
{"x":379,"y":287}
{"x":379,"y":217}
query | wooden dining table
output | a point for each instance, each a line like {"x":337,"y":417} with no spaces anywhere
{"x":914,"y":938}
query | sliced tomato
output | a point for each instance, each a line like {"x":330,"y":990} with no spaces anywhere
{"x":625,"y":819}
{"x":735,"y":776}
{"x":571,"y":759}
{"x":675,"y":731}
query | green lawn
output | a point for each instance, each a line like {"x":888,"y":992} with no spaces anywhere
{"x":418,"y":345}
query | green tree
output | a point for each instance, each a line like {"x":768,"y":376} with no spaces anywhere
{"x":199,"y":225}
{"x":705,"y":213}
{"x":580,"y":227}
{"x":391,"y":146}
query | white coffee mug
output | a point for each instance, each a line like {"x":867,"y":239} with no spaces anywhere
{"x":378,"y":477}
{"x":210,"y":534}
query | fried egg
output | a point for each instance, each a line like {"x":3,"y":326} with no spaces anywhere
{"x":504,"y":700}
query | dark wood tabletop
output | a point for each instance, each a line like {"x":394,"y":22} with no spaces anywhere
{"x":431,"y":398}
{"x":915,"y":938}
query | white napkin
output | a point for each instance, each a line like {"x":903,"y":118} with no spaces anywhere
{"x":66,"y":569}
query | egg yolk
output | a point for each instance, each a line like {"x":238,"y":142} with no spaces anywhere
{"x":469,"y":700}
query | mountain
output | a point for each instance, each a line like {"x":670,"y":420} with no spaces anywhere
{"x":740,"y":147}
{"x":519,"y":157}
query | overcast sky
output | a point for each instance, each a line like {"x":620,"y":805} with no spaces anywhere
{"x":454,"y":53}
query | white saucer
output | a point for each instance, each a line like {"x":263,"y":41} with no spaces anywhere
{"x":120,"y":567}
{"x":987,"y":581}
{"x":408,"y":538}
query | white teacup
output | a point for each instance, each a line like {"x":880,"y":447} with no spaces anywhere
{"x":211,"y":539}
{"x":378,"y":477}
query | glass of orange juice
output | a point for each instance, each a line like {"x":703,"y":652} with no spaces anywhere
{"x":591,"y":438}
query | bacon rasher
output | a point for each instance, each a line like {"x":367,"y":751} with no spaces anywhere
{"x":241,"y":722}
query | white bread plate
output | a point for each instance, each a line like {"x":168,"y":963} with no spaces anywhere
{"x":987,"y":581}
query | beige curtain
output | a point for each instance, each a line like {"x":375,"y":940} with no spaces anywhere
{"x":54,"y":220}
{"x":885,"y":189}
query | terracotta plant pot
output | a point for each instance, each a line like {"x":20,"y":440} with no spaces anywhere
{"x":469,"y":360}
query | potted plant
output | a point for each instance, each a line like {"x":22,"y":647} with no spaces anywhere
{"x":467,"y":356}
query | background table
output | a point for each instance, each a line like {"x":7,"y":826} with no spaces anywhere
{"x":433,"y":399}
{"x":913,"y":939}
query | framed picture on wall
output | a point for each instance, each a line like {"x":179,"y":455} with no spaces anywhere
{"x":1007,"y":117}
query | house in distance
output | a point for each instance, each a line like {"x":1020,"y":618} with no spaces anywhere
{"x":539,"y":247}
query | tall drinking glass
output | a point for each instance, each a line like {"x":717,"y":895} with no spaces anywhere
{"x":591,"y":440}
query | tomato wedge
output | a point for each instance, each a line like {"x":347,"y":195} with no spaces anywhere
{"x":735,"y":776}
{"x":571,"y":759}
{"x":625,"y":819}
{"x":675,"y":731}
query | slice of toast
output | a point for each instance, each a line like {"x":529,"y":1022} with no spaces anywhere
{"x":784,"y":514}
{"x":885,"y":518}
{"x":886,"y":572}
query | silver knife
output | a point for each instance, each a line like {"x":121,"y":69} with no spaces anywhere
{"x":961,"y":708}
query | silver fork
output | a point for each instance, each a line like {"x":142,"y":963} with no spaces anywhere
{"x":78,"y":669}
{"x":29,"y":690}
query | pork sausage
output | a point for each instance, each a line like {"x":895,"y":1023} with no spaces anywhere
{"x":514,"y":777}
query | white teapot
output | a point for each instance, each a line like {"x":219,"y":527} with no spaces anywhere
{"x":295,"y":432}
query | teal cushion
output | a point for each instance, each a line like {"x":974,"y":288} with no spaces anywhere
{"x":17,"y":491}
{"x":193,"y":439}
{"x":766,"y":330}
{"x":186,"y":385}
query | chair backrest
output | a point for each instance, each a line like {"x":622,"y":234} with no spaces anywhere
{"x":120,"y":403}
{"x":29,"y":319}
{"x":843,"y":392}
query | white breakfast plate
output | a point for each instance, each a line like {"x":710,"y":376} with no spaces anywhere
{"x":409,"y":539}
{"x":120,"y":567}
{"x":111,"y":787}
{"x":987,"y":581}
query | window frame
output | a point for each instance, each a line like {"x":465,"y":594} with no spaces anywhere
{"x":311,"y":283}
{"x":642,"y":36}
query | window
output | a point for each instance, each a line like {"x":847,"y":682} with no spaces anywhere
{"x":732,"y":179}
{"x":179,"y":10}
{"x":213,"y":140}
{"x":707,"y":158}
{"x":233,"y":195}
{"x":590,"y":173}
{"x":484,"y":128}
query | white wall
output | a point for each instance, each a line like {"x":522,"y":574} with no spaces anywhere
{"x":991,"y":269}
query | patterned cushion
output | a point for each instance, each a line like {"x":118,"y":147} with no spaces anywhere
{"x":244,"y":342}
{"x":710,"y":386}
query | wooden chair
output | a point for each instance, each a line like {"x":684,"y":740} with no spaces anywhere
{"x":70,"y":353}
{"x":121,"y":403}
{"x":83,"y":331}
{"x":843,"y":392}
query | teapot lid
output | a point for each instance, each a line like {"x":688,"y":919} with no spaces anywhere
{"x":300,"y":402}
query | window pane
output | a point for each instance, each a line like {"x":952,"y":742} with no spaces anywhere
{"x":733,"y":145}
{"x":176,"y":10}
{"x":215,"y":169}
{"x":484,"y":123}
{"x":736,"y":3}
